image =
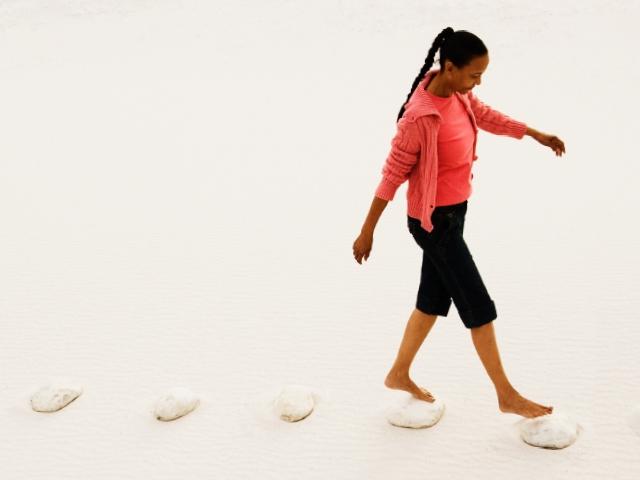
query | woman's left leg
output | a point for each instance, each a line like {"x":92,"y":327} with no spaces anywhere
{"x":432,"y":300}
{"x":417,"y":329}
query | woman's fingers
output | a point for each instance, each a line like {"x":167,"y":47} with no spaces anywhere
{"x":362,"y":248}
{"x":360,"y":255}
{"x":357,"y":255}
{"x":556,"y":144}
{"x":559,"y":143}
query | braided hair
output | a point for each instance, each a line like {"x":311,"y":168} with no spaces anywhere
{"x":458,"y":46}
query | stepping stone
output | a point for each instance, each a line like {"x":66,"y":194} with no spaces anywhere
{"x":415,"y":413}
{"x":294,"y":402}
{"x":54,"y":396}
{"x":175,"y":404}
{"x":556,"y":430}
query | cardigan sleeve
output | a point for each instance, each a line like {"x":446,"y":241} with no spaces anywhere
{"x":494,"y":121}
{"x":403,"y":155}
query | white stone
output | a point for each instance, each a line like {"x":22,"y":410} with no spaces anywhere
{"x":54,"y":396}
{"x":294,"y":402}
{"x":556,"y":430}
{"x":415,"y":413}
{"x":176,"y":403}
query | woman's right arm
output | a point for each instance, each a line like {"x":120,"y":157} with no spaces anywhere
{"x":404,"y":154}
{"x":375,"y":211}
{"x":364,"y":242}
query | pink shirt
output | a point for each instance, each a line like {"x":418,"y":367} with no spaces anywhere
{"x":455,"y":151}
{"x":414,"y":148}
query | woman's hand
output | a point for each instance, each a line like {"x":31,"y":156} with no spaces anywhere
{"x":550,"y":141}
{"x":362,"y":246}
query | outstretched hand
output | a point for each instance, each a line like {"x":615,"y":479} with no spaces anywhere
{"x":551,"y":141}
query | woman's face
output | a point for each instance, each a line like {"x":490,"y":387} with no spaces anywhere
{"x":466,"y":78}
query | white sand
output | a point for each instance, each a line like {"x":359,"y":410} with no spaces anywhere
{"x":181,"y":183}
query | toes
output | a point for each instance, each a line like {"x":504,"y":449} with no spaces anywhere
{"x":426,"y":392}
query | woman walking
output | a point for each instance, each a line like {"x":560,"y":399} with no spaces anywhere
{"x":434,"y":148}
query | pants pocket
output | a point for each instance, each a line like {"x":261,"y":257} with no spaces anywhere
{"x":441,"y":224}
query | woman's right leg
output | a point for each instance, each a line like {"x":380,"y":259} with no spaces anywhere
{"x":451,"y":257}
{"x":509,"y":400}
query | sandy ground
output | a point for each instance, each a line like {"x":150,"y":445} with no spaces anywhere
{"x":181,"y":183}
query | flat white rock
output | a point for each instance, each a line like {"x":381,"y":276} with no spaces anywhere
{"x":415,"y":413}
{"x":175,"y":403}
{"x":557,"y":430}
{"x":54,"y":396}
{"x":294,"y":402}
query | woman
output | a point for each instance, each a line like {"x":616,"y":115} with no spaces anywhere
{"x":434,"y":148}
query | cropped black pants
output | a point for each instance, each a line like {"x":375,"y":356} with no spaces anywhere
{"x":448,"y":270}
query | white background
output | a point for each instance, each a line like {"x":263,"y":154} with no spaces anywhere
{"x":181,"y":183}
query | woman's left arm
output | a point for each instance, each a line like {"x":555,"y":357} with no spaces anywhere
{"x":496,"y":122}
{"x":548,"y":140}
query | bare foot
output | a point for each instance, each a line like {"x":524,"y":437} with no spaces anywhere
{"x":403,"y":382}
{"x":516,"y":403}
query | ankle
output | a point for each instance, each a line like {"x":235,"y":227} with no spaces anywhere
{"x":506,"y":392}
{"x":398,"y":372}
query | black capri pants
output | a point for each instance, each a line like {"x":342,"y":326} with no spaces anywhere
{"x":448,"y":270}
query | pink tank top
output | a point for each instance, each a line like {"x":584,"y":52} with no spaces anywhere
{"x":455,"y":151}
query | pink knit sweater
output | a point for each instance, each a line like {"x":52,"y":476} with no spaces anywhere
{"x":414,"y":152}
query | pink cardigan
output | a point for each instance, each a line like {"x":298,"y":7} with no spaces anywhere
{"x":414,"y":152}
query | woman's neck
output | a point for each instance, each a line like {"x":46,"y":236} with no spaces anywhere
{"x":434,"y":87}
